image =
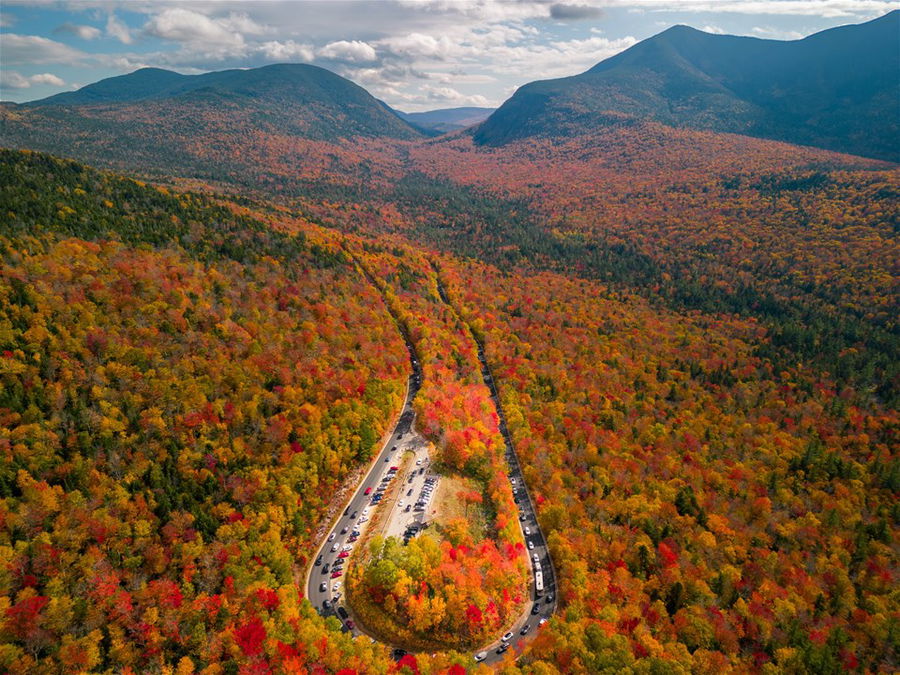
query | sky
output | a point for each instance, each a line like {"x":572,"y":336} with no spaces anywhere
{"x":414,"y":54}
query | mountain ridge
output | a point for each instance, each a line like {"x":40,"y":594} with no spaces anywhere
{"x":808,"y":91}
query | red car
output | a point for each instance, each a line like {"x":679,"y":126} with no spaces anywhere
{"x":335,"y":575}
{"x":350,"y":625}
{"x":368,"y":491}
{"x":343,"y":554}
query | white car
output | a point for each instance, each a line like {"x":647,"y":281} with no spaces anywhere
{"x":507,"y":637}
{"x":530,"y":545}
{"x":348,"y":547}
{"x":331,"y":536}
{"x":512,"y":480}
{"x":400,"y":503}
{"x":337,"y":585}
{"x":334,"y":547}
{"x":534,"y":556}
{"x":480,"y":656}
{"x":527,"y":531}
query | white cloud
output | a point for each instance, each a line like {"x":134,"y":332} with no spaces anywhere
{"x":118,"y":30}
{"x":286,"y":51}
{"x":194,"y":29}
{"x":81,"y":31}
{"x":354,"y":51}
{"x":34,"y":49}
{"x":822,"y":8}
{"x":47,"y":78}
{"x":11,"y":79}
{"x":715,"y":30}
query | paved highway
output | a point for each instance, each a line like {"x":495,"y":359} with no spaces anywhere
{"x":325,"y":589}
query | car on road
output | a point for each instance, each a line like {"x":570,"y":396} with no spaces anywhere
{"x":353,"y":515}
{"x":542,"y":622}
{"x":387,"y":459}
{"x":522,"y":517}
{"x":323,"y":587}
{"x":331,"y":536}
{"x":342,"y":612}
{"x":530,"y":545}
{"x":507,"y":637}
{"x":353,"y":538}
{"x":512,"y":480}
{"x":393,"y":448}
{"x":535,"y":557}
{"x":400,"y":503}
{"x":368,"y":491}
{"x":335,"y":575}
{"x":326,"y":604}
{"x":527,"y":531}
{"x":334,"y":547}
{"x":347,"y":510}
{"x":318,"y":561}
{"x":408,"y":507}
{"x":418,"y":462}
{"x":325,"y":569}
{"x":536,"y":609}
{"x":480,"y":656}
{"x":550,"y":598}
{"x":525,"y":629}
{"x":344,"y":530}
{"x":350,"y":625}
{"x":409,"y":492}
{"x":503,"y":647}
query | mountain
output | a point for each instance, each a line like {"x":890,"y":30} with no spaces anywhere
{"x":447,"y":119}
{"x":296,"y":98}
{"x":837,"y":89}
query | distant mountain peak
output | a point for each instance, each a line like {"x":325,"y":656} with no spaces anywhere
{"x":837,"y":89}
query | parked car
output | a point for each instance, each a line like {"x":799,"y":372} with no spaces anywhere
{"x":323,"y":587}
{"x":368,"y":491}
{"x":527,"y":531}
{"x":331,"y":536}
{"x":336,"y":587}
{"x":525,"y":629}
{"x":318,"y":561}
{"x":480,"y":656}
{"x":550,"y":598}
{"x":530,"y":545}
{"x":344,"y":530}
{"x":536,"y":609}
{"x":507,"y":637}
{"x":342,"y":612}
{"x":334,"y":547}
{"x":335,"y":575}
{"x":408,"y":507}
{"x":542,"y":622}
{"x":326,"y":604}
{"x":343,"y":554}
{"x":325,"y":569}
{"x":503,"y":647}
{"x":350,"y":625}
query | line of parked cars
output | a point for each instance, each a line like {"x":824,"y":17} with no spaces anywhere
{"x":426,"y":493}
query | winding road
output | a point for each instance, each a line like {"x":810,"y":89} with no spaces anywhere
{"x":326,"y":593}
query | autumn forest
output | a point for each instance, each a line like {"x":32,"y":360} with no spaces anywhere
{"x":685,"y":338}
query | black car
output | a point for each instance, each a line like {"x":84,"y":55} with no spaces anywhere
{"x":502,"y":648}
{"x":318,"y":561}
{"x":325,"y":568}
{"x":326,"y":605}
{"x":342,"y":612}
{"x":344,"y":530}
{"x":536,"y":609}
{"x":353,"y":515}
{"x":550,"y":598}
{"x":525,"y":629}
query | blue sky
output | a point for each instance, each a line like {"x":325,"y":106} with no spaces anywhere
{"x":414,"y":54}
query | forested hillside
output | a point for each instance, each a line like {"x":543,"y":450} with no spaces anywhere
{"x":183,"y":390}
